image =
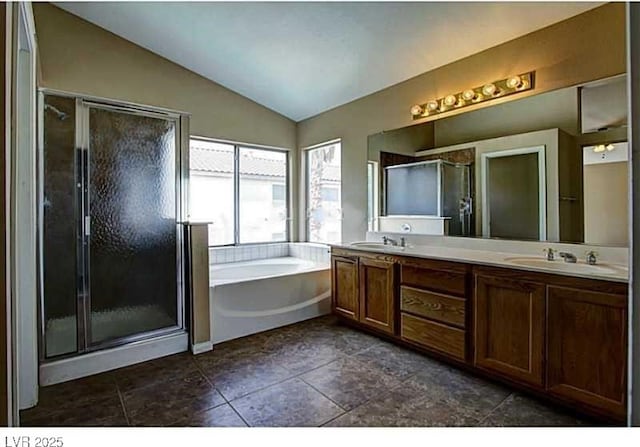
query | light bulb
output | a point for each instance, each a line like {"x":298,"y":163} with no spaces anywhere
{"x":489,"y":89}
{"x":514,"y":82}
{"x":450,"y":100}
{"x":610,"y":147}
{"x":599,"y":148}
{"x":432,"y":105}
{"x":417,"y":110}
{"x":469,"y":95}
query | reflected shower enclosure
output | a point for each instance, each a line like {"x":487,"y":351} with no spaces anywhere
{"x":110,"y":233}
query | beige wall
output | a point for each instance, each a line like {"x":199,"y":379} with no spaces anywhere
{"x":606,"y":201}
{"x":80,"y":57}
{"x":564,"y":54}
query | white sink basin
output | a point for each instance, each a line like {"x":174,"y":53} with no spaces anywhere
{"x":375,"y":246}
{"x":578,"y":267}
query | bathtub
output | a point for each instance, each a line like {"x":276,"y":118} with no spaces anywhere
{"x":254,"y":296}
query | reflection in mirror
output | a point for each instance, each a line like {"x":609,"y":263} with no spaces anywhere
{"x":606,"y":180}
{"x":514,"y":189}
{"x":570,"y":190}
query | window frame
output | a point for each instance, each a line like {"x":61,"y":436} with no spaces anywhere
{"x":237,"y":146}
{"x":305,"y":184}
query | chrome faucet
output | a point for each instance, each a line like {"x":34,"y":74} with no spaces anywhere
{"x":388,"y":241}
{"x":591,"y":257}
{"x":550,"y":254}
{"x":568,"y":257}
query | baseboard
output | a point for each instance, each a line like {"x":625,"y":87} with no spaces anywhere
{"x":199,"y":348}
{"x":72,"y":368}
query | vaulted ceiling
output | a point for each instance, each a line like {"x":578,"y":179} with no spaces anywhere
{"x":301,"y":59}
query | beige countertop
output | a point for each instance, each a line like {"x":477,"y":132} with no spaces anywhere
{"x":602,"y":271}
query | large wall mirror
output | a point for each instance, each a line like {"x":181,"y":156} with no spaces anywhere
{"x":547,"y":167}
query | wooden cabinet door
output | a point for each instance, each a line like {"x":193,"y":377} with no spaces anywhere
{"x":587,"y":347}
{"x":377,"y":290}
{"x":509,"y":327}
{"x":344,"y":287}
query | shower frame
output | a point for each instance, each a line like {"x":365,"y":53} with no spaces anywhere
{"x":81,"y":143}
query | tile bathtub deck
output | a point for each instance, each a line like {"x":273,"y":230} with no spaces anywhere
{"x":314,"y":373}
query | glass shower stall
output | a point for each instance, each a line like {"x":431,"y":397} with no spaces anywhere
{"x":435,"y":188}
{"x":111,"y":207}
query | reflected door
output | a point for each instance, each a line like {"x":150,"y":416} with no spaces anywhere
{"x":514,"y":194}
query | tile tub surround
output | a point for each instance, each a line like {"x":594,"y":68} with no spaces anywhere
{"x":304,"y":250}
{"x":314,"y":373}
{"x":491,"y":252}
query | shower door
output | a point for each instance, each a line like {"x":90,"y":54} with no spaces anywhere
{"x":120,"y":199}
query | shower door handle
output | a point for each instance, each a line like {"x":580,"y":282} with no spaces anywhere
{"x":87,"y":225}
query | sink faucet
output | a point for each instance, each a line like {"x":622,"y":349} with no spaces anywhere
{"x":591,"y":257}
{"x":568,"y":257}
{"x":550,"y":253}
{"x":388,"y":241}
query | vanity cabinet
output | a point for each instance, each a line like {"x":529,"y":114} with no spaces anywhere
{"x":344,"y":287}
{"x":433,"y":305}
{"x":363,"y":290}
{"x":557,"y":336}
{"x":587,"y":347}
{"x":509,"y":327}
{"x":377,"y":288}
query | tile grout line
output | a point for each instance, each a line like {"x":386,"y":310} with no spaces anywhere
{"x":124,"y":409}
{"x":344,"y":410}
{"x":295,"y":376}
{"x":494,"y":409}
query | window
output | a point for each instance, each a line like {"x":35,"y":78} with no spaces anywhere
{"x":211,"y":188}
{"x":262,"y":218}
{"x":241,"y":190}
{"x":278,"y":193}
{"x":323,"y":188}
{"x":372,"y":195}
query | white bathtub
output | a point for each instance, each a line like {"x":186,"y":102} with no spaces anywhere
{"x":254,"y":296}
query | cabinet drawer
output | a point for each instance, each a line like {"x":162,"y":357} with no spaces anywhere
{"x":436,"y":306}
{"x":437,"y":280}
{"x":446,"y":339}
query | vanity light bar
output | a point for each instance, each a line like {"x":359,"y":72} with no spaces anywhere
{"x":498,"y":89}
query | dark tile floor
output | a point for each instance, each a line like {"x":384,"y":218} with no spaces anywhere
{"x":309,"y":374}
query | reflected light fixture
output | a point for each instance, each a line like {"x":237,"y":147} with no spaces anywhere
{"x":486,"y":92}
{"x":602,"y":147}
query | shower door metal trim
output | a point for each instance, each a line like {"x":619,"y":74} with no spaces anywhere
{"x":84,"y":102}
{"x":82,"y":178}
{"x":40,"y":227}
{"x":114,"y":102}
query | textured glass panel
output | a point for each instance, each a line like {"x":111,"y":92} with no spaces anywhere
{"x":211,"y":186}
{"x":263,"y":204}
{"x":133,"y":224}
{"x":455,"y":191}
{"x":59,"y":232}
{"x":513,"y":188}
{"x":412,"y":190}
{"x":324,"y":214}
